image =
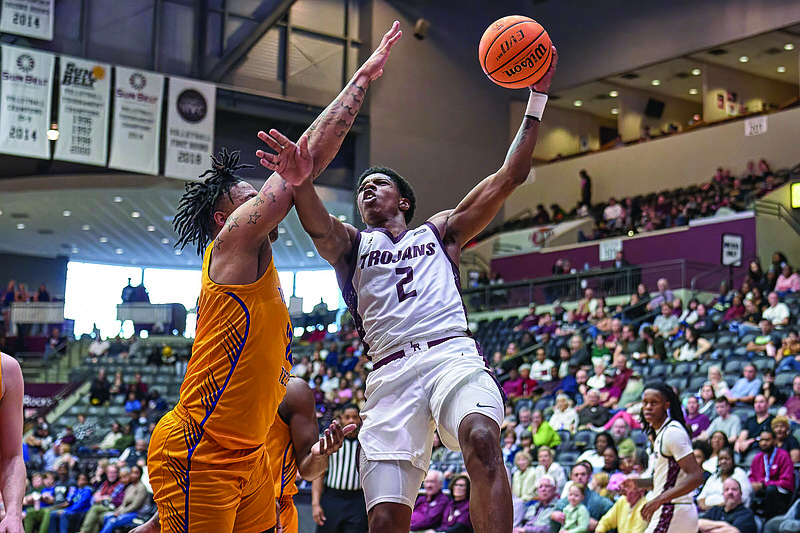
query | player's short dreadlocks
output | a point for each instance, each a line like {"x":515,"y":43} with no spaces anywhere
{"x":194,"y":220}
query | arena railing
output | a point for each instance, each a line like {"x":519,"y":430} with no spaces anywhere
{"x":570,"y":287}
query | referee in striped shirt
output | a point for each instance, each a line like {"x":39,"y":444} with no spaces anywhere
{"x":339,"y":507}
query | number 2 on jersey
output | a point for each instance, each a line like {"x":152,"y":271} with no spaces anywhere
{"x":402,"y":295}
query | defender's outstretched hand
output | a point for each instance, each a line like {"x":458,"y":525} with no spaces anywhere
{"x":543,"y":85}
{"x":373,"y":67}
{"x":293,"y":162}
{"x":332,"y":440}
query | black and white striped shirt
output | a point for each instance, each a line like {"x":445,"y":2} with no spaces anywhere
{"x":342,"y":467}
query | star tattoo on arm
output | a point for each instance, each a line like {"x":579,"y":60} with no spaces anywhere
{"x":217,"y":244}
{"x":233,"y":222}
{"x":254,"y":218}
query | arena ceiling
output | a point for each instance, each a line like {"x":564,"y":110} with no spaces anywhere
{"x":124,"y":220}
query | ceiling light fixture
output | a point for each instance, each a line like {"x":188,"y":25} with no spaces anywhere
{"x":696,"y":72}
{"x":151,"y":228}
{"x":281,"y":230}
{"x":788,"y":47}
{"x":164,"y":241}
{"x":118,"y":251}
{"x":136,"y":214}
{"x":613,"y":94}
{"x":781,"y":69}
{"x":693,"y":91}
{"x":117,"y":199}
{"x":178,"y":252}
{"x":343,"y":218}
{"x":74,"y":250}
{"x":577,"y":103}
{"x":104,"y":239}
{"x":289,"y":243}
{"x":52,"y":133}
{"x":743,"y":59}
{"x":66,"y":213}
{"x":309,"y":254}
{"x":86,"y":227}
{"x":20,"y":226}
{"x":655,"y":83}
{"x":615,"y":111}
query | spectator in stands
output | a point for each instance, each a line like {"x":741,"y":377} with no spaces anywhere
{"x":540,"y":217}
{"x":537,"y":515}
{"x":777,"y":312}
{"x":712,"y":493}
{"x":717,"y":381}
{"x":726,"y":423}
{"x":580,"y":355}
{"x":38,"y":505}
{"x":136,"y":454}
{"x":429,"y":507}
{"x":113,"y":487}
{"x":610,"y":461}
{"x":717,"y":442}
{"x":788,"y":281}
{"x":704,"y":323}
{"x":118,"y":387}
{"x":543,"y":433}
{"x":456,"y":514}
{"x":524,"y":415}
{"x":586,"y":307}
{"x":597,"y":380}
{"x":753,"y":427}
{"x":733,"y":516}
{"x":610,"y":393}
{"x":784,"y":439}
{"x":696,"y":422}
{"x":564,"y":416}
{"x":135,"y":497}
{"x":595,"y":504}
{"x":510,"y":447}
{"x":665,"y":324}
{"x":80,"y":500}
{"x":99,"y":393}
{"x":126,"y":439}
{"x":586,"y":189}
{"x":663,"y":295}
{"x":110,"y":439}
{"x":614,"y":214}
{"x":625,"y":516}
{"x":772,"y":478}
{"x":56,"y":345}
{"x":601,"y":354}
{"x":541,"y":368}
{"x":620,"y":432}
{"x":87,"y":432}
{"x":548,"y":467}
{"x":707,"y":401}
{"x":98,"y":347}
{"x":140,"y":387}
{"x":789,"y":352}
{"x":653,"y":347}
{"x":595,"y":456}
{"x":792,"y":406}
{"x":745,"y":389}
{"x":132,"y":403}
{"x":736,"y":310}
{"x":694,"y":348}
{"x":592,"y":415}
{"x":771,"y":392}
{"x":767,"y":342}
{"x":528,"y":386}
{"x":522,"y":482}
{"x":513,"y":385}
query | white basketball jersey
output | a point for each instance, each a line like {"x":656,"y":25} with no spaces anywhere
{"x":672,"y":443}
{"x":403,"y":288}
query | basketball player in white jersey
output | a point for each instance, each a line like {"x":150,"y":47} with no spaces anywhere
{"x":403,"y":291}
{"x":12,"y":467}
{"x":673,"y":474}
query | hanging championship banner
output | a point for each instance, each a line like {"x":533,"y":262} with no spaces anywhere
{"x":31,"y":18}
{"x":136,"y":132}
{"x":83,"y":111}
{"x":190,"y":127}
{"x":27,"y":80}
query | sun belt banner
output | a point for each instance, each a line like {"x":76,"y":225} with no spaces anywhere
{"x":31,"y":18}
{"x":136,"y":131}
{"x":25,"y":93}
{"x":190,"y":128}
{"x":83,"y":111}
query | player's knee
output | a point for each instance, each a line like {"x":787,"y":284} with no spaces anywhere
{"x":383,"y":519}
{"x":480,"y":441}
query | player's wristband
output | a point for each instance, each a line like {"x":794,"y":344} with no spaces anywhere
{"x":536,"y":103}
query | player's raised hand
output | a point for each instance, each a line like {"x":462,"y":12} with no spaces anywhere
{"x":293,"y":162}
{"x":332,"y":439}
{"x":543,"y":85}
{"x":373,"y":67}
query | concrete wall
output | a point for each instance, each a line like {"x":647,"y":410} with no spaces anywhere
{"x":674,"y":161}
{"x":755,"y":92}
{"x":775,"y":234}
{"x":632,"y":119}
{"x":32,"y":271}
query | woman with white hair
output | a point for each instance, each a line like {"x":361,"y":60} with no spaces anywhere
{"x":717,"y":381}
{"x":564,"y":416}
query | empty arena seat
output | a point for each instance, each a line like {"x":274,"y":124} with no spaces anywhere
{"x":733,"y":365}
{"x":784,"y":379}
{"x":695,"y":382}
{"x":763,"y":363}
{"x":584,"y":438}
{"x":678,"y":382}
{"x":684,"y":369}
{"x":567,"y":458}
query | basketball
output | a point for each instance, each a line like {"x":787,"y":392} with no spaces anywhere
{"x":515,"y":52}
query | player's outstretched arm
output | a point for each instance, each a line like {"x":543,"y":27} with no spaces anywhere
{"x":311,"y":451}
{"x":481,"y":205}
{"x":12,"y":466}
{"x":332,"y":238}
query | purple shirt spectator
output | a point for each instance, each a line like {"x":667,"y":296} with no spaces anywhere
{"x":428,"y":512}
{"x":697,"y":424}
{"x":781,"y":470}
{"x":456,"y":513}
{"x":513,"y":385}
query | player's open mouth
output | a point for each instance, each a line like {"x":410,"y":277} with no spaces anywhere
{"x":369,"y":197}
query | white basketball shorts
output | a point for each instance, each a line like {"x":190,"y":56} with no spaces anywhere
{"x":673,"y":518}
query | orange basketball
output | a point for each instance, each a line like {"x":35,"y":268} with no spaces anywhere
{"x":515,"y":52}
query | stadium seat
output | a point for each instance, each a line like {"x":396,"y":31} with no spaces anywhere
{"x":523,"y":403}
{"x":584,"y":438}
{"x":743,"y":413}
{"x":679,"y":382}
{"x":734,"y":366}
{"x":639,"y":437}
{"x":705,"y":365}
{"x":763,"y":363}
{"x":684,"y":369}
{"x":543,"y":404}
{"x":695,"y":382}
{"x":567,"y":459}
{"x":784,"y":379}
{"x":659,"y":370}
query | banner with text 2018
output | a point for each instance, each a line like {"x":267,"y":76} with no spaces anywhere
{"x":190,"y":128}
{"x":136,"y":131}
{"x":83,"y":111}
{"x":31,"y":18}
{"x":26,"y":89}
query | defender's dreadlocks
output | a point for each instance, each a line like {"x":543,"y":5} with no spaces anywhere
{"x":194,"y":220}
{"x":674,"y":408}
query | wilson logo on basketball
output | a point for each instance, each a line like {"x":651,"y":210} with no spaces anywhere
{"x":509,"y":43}
{"x":527,"y":62}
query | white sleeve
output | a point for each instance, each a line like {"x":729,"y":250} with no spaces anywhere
{"x":676,"y":443}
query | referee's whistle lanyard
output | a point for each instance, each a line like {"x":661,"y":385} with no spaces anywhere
{"x":768,"y":465}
